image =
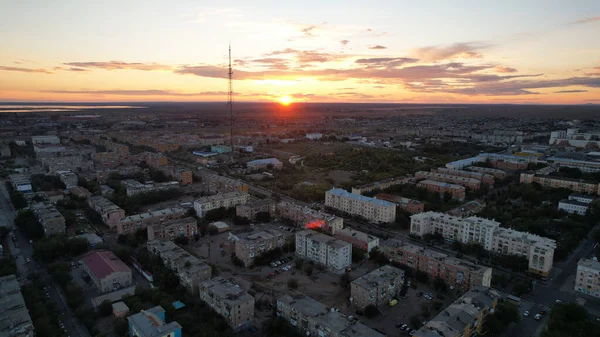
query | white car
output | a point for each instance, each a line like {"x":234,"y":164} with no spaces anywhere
{"x":27,"y":260}
{"x":538,"y":317}
{"x":558,"y":301}
{"x":526,"y":313}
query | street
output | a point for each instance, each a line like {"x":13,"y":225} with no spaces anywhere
{"x":25,"y":251}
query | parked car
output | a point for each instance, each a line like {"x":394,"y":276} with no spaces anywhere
{"x":526,"y":313}
{"x":538,"y":317}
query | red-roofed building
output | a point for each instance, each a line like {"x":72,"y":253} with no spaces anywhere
{"x":106,"y":270}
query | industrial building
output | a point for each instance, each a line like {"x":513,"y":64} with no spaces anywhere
{"x":107,"y":271}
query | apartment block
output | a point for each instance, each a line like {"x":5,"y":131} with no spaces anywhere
{"x":306,"y":217}
{"x":111,"y":214}
{"x":470,"y":183}
{"x":132,"y":223}
{"x":15,"y":321}
{"x":229,"y":199}
{"x":500,"y":174}
{"x":50,"y":218}
{"x":573,"y":206}
{"x":184,"y":176}
{"x":250,"y":210}
{"x":377,"y":288}
{"x":68,"y":178}
{"x":249,"y":245}
{"x":112,"y":159}
{"x":312,"y":318}
{"x":369,"y":208}
{"x":483,"y":177}
{"x":20,"y":182}
{"x":228,"y":300}
{"x":575,"y":185}
{"x":67,"y":163}
{"x":410,"y":205}
{"x":459,"y":273}
{"x":582,"y":165}
{"x":221,"y":184}
{"x":170,"y":230}
{"x":539,"y":251}
{"x":189,"y":269}
{"x":155,"y":159}
{"x":4,"y":150}
{"x":152,"y":323}
{"x":335,"y":254}
{"x":572,"y":137}
{"x":464,"y":317}
{"x":587,"y":279}
{"x":456,"y":191}
{"x":134,"y":187}
{"x":358,"y":239}
{"x":383,"y":184}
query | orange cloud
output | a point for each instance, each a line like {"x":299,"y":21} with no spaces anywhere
{"x":377,"y":47}
{"x":26,"y":70}
{"x":438,"y":53}
{"x":505,"y":69}
{"x":119,"y":65}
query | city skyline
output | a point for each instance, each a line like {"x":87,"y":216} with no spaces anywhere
{"x":396,"y":52}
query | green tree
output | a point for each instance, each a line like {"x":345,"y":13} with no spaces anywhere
{"x":292,"y":283}
{"x":345,"y":280}
{"x":308,"y":270}
{"x":439,"y":284}
{"x":27,"y":221}
{"x":105,"y":308}
{"x":358,"y":255}
{"x":18,"y":199}
{"x":421,"y":276}
{"x":371,"y":311}
{"x":121,"y":327}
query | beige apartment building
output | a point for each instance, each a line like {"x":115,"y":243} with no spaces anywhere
{"x":470,"y":183}
{"x":358,"y":239}
{"x":538,"y":250}
{"x":575,"y":185}
{"x":110,"y":213}
{"x":249,"y":245}
{"x":410,"y":205}
{"x":491,"y":171}
{"x":456,"y":191}
{"x":587,"y":279}
{"x":221,"y":184}
{"x":189,"y":269}
{"x":50,"y":218}
{"x":459,"y":273}
{"x":250,"y":210}
{"x":306,"y":217}
{"x":335,"y":254}
{"x":132,"y":223}
{"x":228,"y":300}
{"x":369,"y":208}
{"x":485,"y":178}
{"x":312,"y":318}
{"x":377,"y":288}
{"x":226,"y":200}
{"x":382,"y":185}
{"x":170,"y":230}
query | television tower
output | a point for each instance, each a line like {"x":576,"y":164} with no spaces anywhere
{"x":230,"y":103}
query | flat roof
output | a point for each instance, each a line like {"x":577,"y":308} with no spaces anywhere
{"x":574,"y":202}
{"x":150,"y":323}
{"x":14,"y":316}
{"x":226,"y":290}
{"x":442,"y":184}
{"x":343,"y":193}
{"x":378,"y":276}
{"x":103,"y":263}
{"x":589,"y":263}
{"x":273,"y":161}
{"x":325,"y":239}
{"x":154,"y":214}
{"x":222,"y":196}
{"x":362,"y":236}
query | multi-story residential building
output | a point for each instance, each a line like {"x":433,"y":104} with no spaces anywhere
{"x":229,"y":199}
{"x":152,"y":323}
{"x":377,"y":288}
{"x":132,"y":223}
{"x":588,"y":199}
{"x":15,"y":321}
{"x":491,"y":171}
{"x":228,"y":300}
{"x":572,"y":137}
{"x":249,"y":245}
{"x":155,"y":159}
{"x":459,"y":273}
{"x":262,"y":164}
{"x":134,"y":187}
{"x":383,"y":184}
{"x":587,"y":279}
{"x":112,"y":159}
{"x":184,"y":176}
{"x":464,"y":317}
{"x":170,"y":230}
{"x":483,"y":177}
{"x":573,"y":206}
{"x":312,"y":318}
{"x":106,"y":270}
{"x":306,"y":217}
{"x":468,"y":209}
{"x":220,"y":184}
{"x":539,"y":251}
{"x":335,"y":254}
{"x":358,"y":239}
{"x":68,"y":178}
{"x":369,"y":208}
{"x":67,"y":163}
{"x":4,"y":150}
{"x":20,"y":182}
{"x":470,"y":183}
{"x":456,"y":191}
{"x":582,"y":165}
{"x":111,"y":214}
{"x":575,"y":185}
{"x":410,"y":205}
{"x":250,"y":210}
{"x":189,"y":269}
{"x":50,"y":218}
{"x":80,"y":192}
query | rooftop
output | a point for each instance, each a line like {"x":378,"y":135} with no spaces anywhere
{"x":221,"y":196}
{"x":322,"y":238}
{"x":151,"y":323}
{"x":14,"y":316}
{"x":362,"y":236}
{"x":267,"y":161}
{"x":226,"y":290}
{"x":103,"y":263}
{"x":343,"y":193}
{"x":589,"y":263}
{"x":441,"y":184}
{"x":153,"y":214}
{"x":529,"y":238}
{"x":574,"y":202}
{"x":379,"y":276}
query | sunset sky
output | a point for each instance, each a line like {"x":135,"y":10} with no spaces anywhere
{"x":316,"y":51}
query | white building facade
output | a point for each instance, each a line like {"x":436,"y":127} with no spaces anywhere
{"x":335,"y":254}
{"x":230,"y":199}
{"x":369,"y":208}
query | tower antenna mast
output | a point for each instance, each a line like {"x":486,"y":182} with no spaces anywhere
{"x":230,"y":103}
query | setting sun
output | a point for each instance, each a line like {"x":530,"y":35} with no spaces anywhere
{"x":285,"y":100}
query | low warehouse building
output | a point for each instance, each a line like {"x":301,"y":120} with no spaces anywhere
{"x":106,"y":270}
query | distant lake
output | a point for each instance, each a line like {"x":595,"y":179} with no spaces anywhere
{"x":59,"y":108}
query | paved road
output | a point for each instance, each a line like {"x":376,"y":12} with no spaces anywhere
{"x":25,"y":250}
